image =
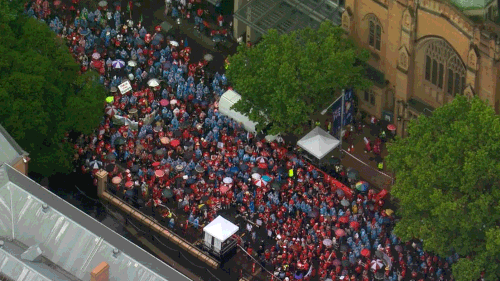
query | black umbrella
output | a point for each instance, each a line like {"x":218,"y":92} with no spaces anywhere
{"x":276,"y":186}
{"x":255,"y":170}
{"x":352,"y":174}
{"x":167,"y":193}
{"x":204,"y":198}
{"x":334,"y":161}
{"x":343,"y":248}
{"x":345,"y":263}
{"x":120,"y":141}
{"x":177,"y":133}
{"x":188,"y":190}
{"x":199,"y":169}
{"x":243,"y":167}
{"x":282,"y":170}
{"x":134,"y":169}
{"x":261,"y":171}
{"x":110,"y":168}
{"x":188,"y":155}
{"x":111,"y":156}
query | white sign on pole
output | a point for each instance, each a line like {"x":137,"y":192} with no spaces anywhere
{"x":125,"y":87}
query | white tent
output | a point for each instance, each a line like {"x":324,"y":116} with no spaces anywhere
{"x":318,"y":142}
{"x":217,"y":232}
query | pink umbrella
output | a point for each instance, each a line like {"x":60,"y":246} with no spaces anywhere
{"x":391,"y":127}
{"x":116,"y":180}
{"x":96,"y":56}
{"x":164,"y":102}
{"x":365,"y":252}
{"x":260,"y":183}
{"x":57,"y":3}
{"x":111,"y":110}
{"x":97,"y":63}
{"x":339,"y":232}
{"x":376,"y":265}
{"x":159,"y":173}
{"x":224,"y":188}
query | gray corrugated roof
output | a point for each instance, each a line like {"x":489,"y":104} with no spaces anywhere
{"x":9,"y":149}
{"x":68,"y":237}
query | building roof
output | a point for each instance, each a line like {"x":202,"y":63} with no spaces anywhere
{"x":471,"y":4}
{"x":72,"y":243}
{"x":9,"y":149}
{"x":287,"y":15}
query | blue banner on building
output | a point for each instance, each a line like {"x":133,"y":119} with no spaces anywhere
{"x":348,"y":112}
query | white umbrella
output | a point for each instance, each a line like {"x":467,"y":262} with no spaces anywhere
{"x":260,"y":183}
{"x":132,"y":63}
{"x":174,"y":101}
{"x":111,"y":110}
{"x":261,"y":159}
{"x":118,"y":64}
{"x":103,"y":3}
{"x":96,"y":56}
{"x":95,"y":164}
{"x":208,"y":57}
{"x":174,"y":43}
{"x":153,"y":83}
{"x":256,"y":176}
{"x":227,"y":180}
{"x":376,"y":265}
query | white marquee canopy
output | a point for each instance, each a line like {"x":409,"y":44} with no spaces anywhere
{"x":318,"y":142}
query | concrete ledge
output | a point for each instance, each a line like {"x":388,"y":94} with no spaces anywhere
{"x":162,"y":230}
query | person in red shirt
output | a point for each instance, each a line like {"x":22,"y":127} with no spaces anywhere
{"x":220,"y":20}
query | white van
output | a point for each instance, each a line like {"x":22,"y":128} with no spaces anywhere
{"x":227,"y":100}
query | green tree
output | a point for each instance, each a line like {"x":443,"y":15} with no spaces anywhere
{"x":448,"y":184}
{"x":285,"y":78}
{"x":42,"y":94}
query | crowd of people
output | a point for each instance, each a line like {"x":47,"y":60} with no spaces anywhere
{"x":176,"y":146}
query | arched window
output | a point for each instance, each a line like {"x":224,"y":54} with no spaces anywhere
{"x":443,"y":67}
{"x":375,"y":33}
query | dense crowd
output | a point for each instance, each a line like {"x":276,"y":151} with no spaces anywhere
{"x":176,"y":146}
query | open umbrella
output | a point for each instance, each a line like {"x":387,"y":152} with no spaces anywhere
{"x":139,"y":41}
{"x":266,"y":178}
{"x":120,"y":141}
{"x":227,"y":180}
{"x":275,"y":186}
{"x":343,"y":247}
{"x":97,"y":64}
{"x":173,"y":101}
{"x":174,"y":43}
{"x":204,"y":198}
{"x":389,"y":212}
{"x":132,"y":63}
{"x":167,"y":193}
{"x":188,"y":190}
{"x":365,"y":253}
{"x":134,"y":169}
{"x":208,"y":57}
{"x":391,"y":127}
{"x":344,"y":219}
{"x":362,"y":186}
{"x":344,"y":203}
{"x":111,"y":110}
{"x":116,"y":180}
{"x":376,"y":265}
{"x":110,"y":99}
{"x":224,"y":188}
{"x":153,"y":82}
{"x":340,"y":192}
{"x":345,"y":263}
{"x":159,"y":173}
{"x":111,"y":157}
{"x":334,"y":161}
{"x":103,"y":3}
{"x":129,"y":184}
{"x":234,"y":170}
{"x":96,"y":56}
{"x":353,"y":174}
{"x":95,"y":164}
{"x":313,"y":213}
{"x":156,"y":164}
{"x":175,"y":143}
{"x":340,"y":232}
{"x":110,"y":168}
{"x":85,"y":32}
{"x":327,"y":242}
{"x":57,"y":3}
{"x":398,"y":248}
{"x":260,"y":183}
{"x":199,"y":169}
{"x":354,"y":224}
{"x":160,"y":152}
{"x":118,"y":64}
{"x":164,"y":102}
{"x":243,"y":167}
{"x":336,"y":262}
{"x":256,"y":176}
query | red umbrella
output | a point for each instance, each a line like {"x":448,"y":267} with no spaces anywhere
{"x":175,"y":143}
{"x":365,"y":253}
{"x":262,"y":166}
{"x":97,"y":63}
{"x":156,"y":164}
{"x":391,"y":127}
{"x":339,"y":232}
{"x":164,"y":102}
{"x":159,"y":173}
{"x":129,"y":184}
{"x":343,"y":219}
{"x":354,"y":224}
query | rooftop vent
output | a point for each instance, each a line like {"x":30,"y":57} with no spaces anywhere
{"x":45,"y":208}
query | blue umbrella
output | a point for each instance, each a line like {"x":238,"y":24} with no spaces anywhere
{"x":266,"y":178}
{"x":85,"y":32}
{"x":234,"y":170}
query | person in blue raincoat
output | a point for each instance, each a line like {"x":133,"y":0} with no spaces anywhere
{"x":175,"y":123}
{"x":142,"y":32}
{"x":117,"y":18}
{"x":175,"y":12}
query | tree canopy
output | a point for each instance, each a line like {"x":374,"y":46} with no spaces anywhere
{"x":285,"y":78}
{"x":448,"y":184}
{"x":42,"y":94}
